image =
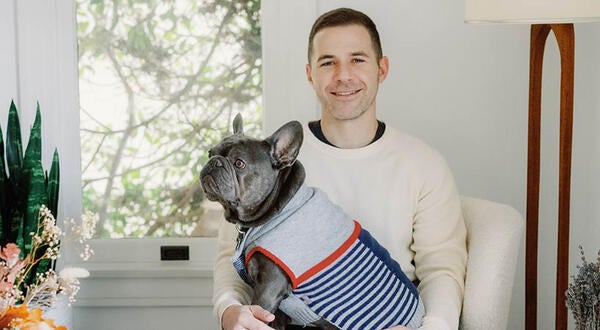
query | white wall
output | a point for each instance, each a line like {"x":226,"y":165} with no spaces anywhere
{"x":8,"y":60}
{"x":38,"y":61}
{"x":463,"y":89}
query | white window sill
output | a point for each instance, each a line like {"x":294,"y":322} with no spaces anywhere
{"x":163,"y":269}
{"x":130,"y":273}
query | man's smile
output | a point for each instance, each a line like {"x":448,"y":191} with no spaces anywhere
{"x":346,"y":93}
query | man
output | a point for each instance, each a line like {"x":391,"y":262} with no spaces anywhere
{"x":400,"y":189}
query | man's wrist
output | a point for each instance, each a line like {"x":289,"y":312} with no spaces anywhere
{"x":232,"y":304}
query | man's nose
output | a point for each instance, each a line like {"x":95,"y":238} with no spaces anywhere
{"x":343,"y":72}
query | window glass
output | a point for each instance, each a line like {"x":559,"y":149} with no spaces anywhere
{"x":160,"y":83}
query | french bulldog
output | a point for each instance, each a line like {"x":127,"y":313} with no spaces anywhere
{"x":307,"y":261}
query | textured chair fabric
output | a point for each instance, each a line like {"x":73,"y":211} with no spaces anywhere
{"x":494,"y":236}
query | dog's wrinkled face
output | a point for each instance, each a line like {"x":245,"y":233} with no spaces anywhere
{"x":242,"y":172}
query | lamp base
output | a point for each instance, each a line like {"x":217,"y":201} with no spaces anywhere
{"x":565,"y":38}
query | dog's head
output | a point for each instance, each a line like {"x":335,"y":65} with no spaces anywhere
{"x":253,"y":178}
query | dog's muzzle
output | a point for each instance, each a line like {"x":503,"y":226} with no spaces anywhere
{"x":218,"y":180}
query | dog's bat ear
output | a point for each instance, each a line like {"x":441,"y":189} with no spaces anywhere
{"x":285,"y":144}
{"x":238,"y":125}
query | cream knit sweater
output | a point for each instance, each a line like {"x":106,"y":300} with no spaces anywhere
{"x":403,"y":192}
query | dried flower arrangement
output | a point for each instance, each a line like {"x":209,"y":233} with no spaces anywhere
{"x":22,"y":304}
{"x":583,"y":294}
{"x":29,"y":237}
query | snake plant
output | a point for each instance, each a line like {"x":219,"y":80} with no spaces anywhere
{"x":25,"y":187}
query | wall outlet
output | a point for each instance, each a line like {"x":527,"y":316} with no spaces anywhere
{"x":174,"y":252}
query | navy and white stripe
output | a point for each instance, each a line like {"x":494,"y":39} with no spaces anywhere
{"x":240,"y":266}
{"x":364,"y":289}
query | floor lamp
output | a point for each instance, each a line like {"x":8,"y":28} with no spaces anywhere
{"x":544,"y":16}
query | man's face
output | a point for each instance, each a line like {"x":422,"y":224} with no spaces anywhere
{"x":344,"y":71}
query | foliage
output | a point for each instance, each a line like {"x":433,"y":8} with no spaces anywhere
{"x":22,"y":303}
{"x":583,"y":294}
{"x":175,"y":71}
{"x":25,"y":188}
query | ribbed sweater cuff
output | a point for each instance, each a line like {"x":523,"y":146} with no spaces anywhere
{"x":221,"y":305}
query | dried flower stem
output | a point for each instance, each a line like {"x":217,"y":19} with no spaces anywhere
{"x":583,"y":294}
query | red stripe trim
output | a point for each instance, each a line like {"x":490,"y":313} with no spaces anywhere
{"x":333,"y":257}
{"x":276,"y":260}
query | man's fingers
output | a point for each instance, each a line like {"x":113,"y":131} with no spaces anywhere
{"x":261,"y":313}
{"x":238,"y":317}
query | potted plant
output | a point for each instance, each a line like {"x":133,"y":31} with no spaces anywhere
{"x":25,"y":187}
{"x":29,"y":237}
{"x":583,"y":294}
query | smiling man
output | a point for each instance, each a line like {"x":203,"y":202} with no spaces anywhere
{"x":396,"y":186}
{"x":345,"y":71}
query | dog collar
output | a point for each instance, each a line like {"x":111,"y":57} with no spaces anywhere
{"x":241,"y":233}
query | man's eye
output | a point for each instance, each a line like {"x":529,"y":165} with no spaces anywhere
{"x":358,"y":60}
{"x":328,"y":63}
{"x":239,"y":164}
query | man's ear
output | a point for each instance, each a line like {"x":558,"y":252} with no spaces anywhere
{"x":307,"y":69}
{"x":384,"y":67}
{"x":285,"y":144}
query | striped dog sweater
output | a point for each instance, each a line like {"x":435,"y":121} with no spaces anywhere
{"x":337,"y":269}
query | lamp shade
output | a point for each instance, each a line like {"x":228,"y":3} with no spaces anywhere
{"x":531,"y":11}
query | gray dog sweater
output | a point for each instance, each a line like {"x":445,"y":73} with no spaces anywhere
{"x":337,"y":270}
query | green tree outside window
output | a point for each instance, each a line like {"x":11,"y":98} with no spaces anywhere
{"x":160,"y":83}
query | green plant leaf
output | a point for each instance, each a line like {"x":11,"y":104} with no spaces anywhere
{"x":33,"y":176}
{"x":33,"y":153}
{"x":16,"y":214}
{"x":36,"y":198}
{"x":3,"y":192}
{"x":16,"y":186}
{"x":53,"y":184}
{"x":14,"y":147}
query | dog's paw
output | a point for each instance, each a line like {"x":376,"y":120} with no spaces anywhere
{"x":281,"y":321}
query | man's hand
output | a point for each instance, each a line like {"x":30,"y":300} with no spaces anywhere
{"x":246,"y":318}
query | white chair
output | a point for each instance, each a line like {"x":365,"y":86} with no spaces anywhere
{"x":494,"y":233}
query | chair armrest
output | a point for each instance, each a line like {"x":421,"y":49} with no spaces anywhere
{"x":494,"y":233}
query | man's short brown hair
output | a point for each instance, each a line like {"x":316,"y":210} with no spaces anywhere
{"x":344,"y":17}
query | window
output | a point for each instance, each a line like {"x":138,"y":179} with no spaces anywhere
{"x":160,"y":83}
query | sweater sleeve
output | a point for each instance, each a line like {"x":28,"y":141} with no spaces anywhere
{"x":439,"y":244}
{"x":228,"y":287}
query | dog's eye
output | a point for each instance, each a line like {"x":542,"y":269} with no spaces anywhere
{"x":239,"y":164}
